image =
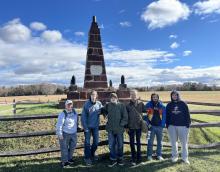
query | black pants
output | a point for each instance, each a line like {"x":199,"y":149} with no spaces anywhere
{"x":136,"y":155}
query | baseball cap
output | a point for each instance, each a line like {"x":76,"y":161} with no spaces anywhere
{"x":68,"y":102}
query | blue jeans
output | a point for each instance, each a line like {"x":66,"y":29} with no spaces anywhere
{"x":135,"y":155}
{"x":158,"y":132}
{"x":89,"y":151}
{"x":116,"y":142}
{"x":67,"y":146}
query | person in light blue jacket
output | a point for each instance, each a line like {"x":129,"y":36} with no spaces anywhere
{"x":66,"y":130}
{"x":90,"y":122}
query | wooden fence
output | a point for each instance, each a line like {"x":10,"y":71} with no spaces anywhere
{"x":101,"y":127}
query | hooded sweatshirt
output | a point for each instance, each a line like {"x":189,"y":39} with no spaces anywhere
{"x":67,"y":123}
{"x":177,"y":112}
{"x":156,"y":113}
{"x":90,"y":114}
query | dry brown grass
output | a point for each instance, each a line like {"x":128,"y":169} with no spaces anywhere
{"x":195,"y":96}
{"x":37,"y":98}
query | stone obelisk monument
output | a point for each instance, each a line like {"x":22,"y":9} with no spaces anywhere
{"x":95,"y":73}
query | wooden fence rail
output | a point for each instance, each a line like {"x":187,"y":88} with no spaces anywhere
{"x":102,"y":127}
{"x":49,"y":116}
{"x":193,"y":103}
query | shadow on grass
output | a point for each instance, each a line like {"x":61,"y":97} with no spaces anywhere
{"x":53,"y":164}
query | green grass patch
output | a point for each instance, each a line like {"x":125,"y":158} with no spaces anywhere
{"x":206,"y":118}
{"x":201,"y":161}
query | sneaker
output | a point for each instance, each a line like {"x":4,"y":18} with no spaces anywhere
{"x":112,"y":163}
{"x":174,"y":159}
{"x":65,"y":164}
{"x":149,"y":158}
{"x":95,"y":158}
{"x":88,"y":162}
{"x":186,"y":161}
{"x":133,"y":163}
{"x":139,"y":161}
{"x":160,"y":158}
{"x":70,"y":161}
{"x":120,"y":162}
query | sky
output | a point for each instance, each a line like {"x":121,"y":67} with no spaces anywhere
{"x":150,"y":42}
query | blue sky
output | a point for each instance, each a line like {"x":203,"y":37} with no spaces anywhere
{"x":150,"y":42}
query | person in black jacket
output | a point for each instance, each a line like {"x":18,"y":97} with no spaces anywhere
{"x":178,"y":123}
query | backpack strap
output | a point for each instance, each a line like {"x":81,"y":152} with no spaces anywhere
{"x":64,"y":111}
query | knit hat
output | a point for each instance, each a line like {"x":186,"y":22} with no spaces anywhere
{"x":113,"y":95}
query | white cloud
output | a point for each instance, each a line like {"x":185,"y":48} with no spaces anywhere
{"x":101,"y":26}
{"x":136,"y":57}
{"x":174,"y":45}
{"x":121,"y":11}
{"x":36,"y":61}
{"x":38,"y":26}
{"x":14,"y":31}
{"x":79,"y":33}
{"x":207,"y":7}
{"x":125,"y":24}
{"x":51,"y":36}
{"x":163,"y":13}
{"x":187,"y":53}
{"x":173,"y":36}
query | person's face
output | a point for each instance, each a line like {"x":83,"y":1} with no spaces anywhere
{"x":134,"y":95}
{"x":114,"y":100}
{"x":155,"y":98}
{"x":94,"y":96}
{"x":174,"y":96}
{"x":69,"y":107}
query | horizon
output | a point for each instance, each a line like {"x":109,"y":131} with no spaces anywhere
{"x":151,"y":43}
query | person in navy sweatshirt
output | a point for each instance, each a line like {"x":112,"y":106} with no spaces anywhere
{"x":178,"y":122}
{"x":90,"y":122}
{"x":66,"y":130}
{"x":156,"y":119}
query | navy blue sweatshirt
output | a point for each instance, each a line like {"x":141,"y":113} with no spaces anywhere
{"x":177,"y":114}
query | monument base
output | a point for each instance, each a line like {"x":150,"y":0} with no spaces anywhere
{"x":80,"y":97}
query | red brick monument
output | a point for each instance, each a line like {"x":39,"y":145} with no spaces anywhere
{"x":95,"y":74}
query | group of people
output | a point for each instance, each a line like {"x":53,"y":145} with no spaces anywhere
{"x":131,"y":117}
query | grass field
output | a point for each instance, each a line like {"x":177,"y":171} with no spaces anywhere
{"x":201,"y":160}
{"x":39,"y":98}
{"x":203,"y":96}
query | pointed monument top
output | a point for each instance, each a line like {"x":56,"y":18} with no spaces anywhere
{"x":94,"y":19}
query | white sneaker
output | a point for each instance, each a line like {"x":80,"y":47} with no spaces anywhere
{"x":186,"y":161}
{"x":174,"y":159}
{"x":160,"y":158}
{"x":133,"y":163}
{"x":149,"y":158}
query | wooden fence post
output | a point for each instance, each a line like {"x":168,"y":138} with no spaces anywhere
{"x":14,"y":107}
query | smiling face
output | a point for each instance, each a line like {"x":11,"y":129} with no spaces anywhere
{"x":155,"y":98}
{"x":174,"y":96}
{"x":133,"y":95}
{"x":69,"y":107}
{"x":114,"y":99}
{"x":94,"y":96}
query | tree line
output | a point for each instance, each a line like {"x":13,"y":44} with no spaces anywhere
{"x":53,"y":89}
{"x":187,"y":86}
{"x":36,"y":89}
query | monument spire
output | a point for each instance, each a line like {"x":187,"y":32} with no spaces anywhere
{"x":94,"y":19}
{"x":95,"y":73}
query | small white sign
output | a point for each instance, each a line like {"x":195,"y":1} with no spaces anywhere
{"x":96,"y":69}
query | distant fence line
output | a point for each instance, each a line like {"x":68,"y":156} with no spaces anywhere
{"x":101,"y":127}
